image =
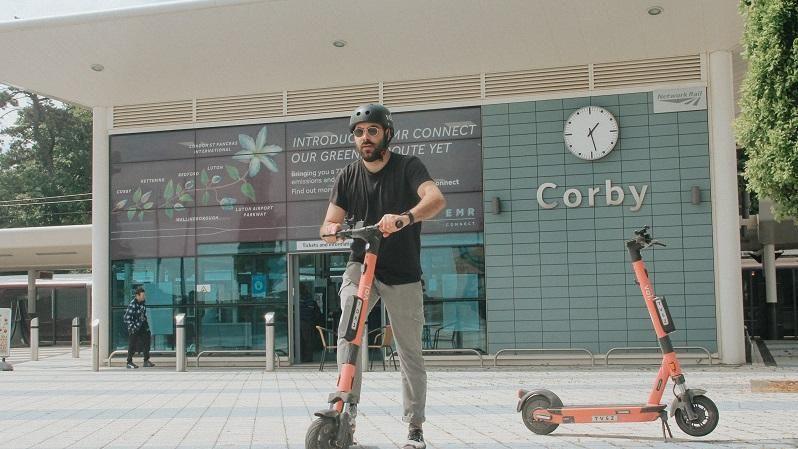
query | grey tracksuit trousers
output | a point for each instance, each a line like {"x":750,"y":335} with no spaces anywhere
{"x":405,"y":307}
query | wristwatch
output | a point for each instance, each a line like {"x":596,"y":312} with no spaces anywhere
{"x":410,"y":216}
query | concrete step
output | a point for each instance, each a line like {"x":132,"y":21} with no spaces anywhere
{"x":784,"y":352}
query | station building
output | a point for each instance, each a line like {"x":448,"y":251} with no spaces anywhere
{"x":554,"y":129}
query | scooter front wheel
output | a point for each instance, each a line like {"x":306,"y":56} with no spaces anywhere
{"x":322,"y":434}
{"x":706,"y":417}
{"x":532,"y":404}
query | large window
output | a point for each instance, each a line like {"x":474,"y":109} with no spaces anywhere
{"x":454,"y":296}
{"x":224,"y":297}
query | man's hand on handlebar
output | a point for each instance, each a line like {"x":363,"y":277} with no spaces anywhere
{"x":391,"y":223}
{"x":328,"y":233}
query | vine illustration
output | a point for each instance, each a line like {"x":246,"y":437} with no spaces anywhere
{"x":255,"y":154}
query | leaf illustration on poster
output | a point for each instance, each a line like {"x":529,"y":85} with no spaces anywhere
{"x":212,"y":188}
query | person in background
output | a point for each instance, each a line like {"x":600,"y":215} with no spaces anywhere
{"x":310,"y":316}
{"x":138,"y":329}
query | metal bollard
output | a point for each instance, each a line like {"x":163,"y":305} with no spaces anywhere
{"x":180,"y":342}
{"x":76,"y":338}
{"x":269,"y":318}
{"x":95,"y":345}
{"x":34,"y":339}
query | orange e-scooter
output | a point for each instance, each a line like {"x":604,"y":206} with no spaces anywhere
{"x":332,"y":429}
{"x":542,"y":411}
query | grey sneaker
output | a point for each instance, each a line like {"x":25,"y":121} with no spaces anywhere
{"x":131,"y":365}
{"x":415,"y":440}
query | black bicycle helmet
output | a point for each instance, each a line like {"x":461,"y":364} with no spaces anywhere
{"x":375,"y":113}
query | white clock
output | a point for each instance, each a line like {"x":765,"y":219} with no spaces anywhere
{"x":591,"y":132}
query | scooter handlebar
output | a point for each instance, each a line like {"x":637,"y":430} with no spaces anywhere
{"x":362,"y":232}
{"x":644,"y":237}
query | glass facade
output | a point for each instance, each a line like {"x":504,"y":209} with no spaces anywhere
{"x":224,"y":297}
{"x":184,"y":204}
{"x":454,"y":292}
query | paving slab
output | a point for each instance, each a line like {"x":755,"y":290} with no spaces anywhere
{"x":58,"y":402}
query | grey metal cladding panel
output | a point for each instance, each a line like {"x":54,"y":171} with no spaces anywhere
{"x":572,"y":104}
{"x":633,"y":109}
{"x":494,"y":120}
{"x":663,"y":152}
{"x":634,"y":120}
{"x":495,"y":131}
{"x":663,"y":141}
{"x":607,"y":101}
{"x":527,"y":106}
{"x":692,"y":116}
{"x":494,"y":109}
{"x":634,"y":98}
{"x":695,"y":323}
{"x":662,"y":118}
{"x":523,"y":155}
{"x":694,"y":150}
{"x":548,"y":127}
{"x":549,"y":105}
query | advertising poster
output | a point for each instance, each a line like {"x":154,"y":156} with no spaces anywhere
{"x":240,"y":223}
{"x":173,"y":190}
{"x":157,"y":146}
{"x":152,"y":233}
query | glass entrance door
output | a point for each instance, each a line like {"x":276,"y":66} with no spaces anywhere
{"x":316,"y":280}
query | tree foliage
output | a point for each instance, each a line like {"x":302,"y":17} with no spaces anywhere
{"x":768,"y":123}
{"x":48,"y":155}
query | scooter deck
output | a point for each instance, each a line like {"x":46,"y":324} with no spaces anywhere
{"x":600,"y":413}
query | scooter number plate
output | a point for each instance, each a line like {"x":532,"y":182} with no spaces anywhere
{"x":605,"y":418}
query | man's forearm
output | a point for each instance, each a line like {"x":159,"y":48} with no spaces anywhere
{"x":428,"y":207}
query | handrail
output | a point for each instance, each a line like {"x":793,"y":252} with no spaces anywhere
{"x":124,"y":351}
{"x":585,"y":350}
{"x":277,"y":352}
{"x":455,"y":351}
{"x":650,"y":348}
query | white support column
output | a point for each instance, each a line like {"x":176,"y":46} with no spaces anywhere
{"x":725,"y":219}
{"x":100,"y":234}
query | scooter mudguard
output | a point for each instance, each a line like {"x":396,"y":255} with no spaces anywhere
{"x":680,"y":402}
{"x":328,"y":413}
{"x":554,"y":400}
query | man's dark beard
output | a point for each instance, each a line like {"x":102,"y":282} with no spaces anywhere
{"x":376,"y":155}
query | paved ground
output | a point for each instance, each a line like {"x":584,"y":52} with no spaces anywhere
{"x":58,"y":402}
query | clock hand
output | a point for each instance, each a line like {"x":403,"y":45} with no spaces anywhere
{"x":590,"y":133}
{"x":594,"y":141}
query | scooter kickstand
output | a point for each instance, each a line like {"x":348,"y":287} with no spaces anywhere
{"x":663,"y":416}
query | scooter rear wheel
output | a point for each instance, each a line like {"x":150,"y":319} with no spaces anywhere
{"x":532,"y":404}
{"x":322,"y":434}
{"x":707,"y":417}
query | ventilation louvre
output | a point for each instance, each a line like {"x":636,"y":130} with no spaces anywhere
{"x":241,"y":107}
{"x":333,"y":99}
{"x":649,"y":71}
{"x":434,"y":90}
{"x":612,"y":75}
{"x":528,"y":82}
{"x":153,"y":114}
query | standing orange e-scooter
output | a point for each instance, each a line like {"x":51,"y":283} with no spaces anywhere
{"x":333,"y":427}
{"x":542,"y":411}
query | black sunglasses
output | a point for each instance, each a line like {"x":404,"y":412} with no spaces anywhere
{"x":372,"y":130}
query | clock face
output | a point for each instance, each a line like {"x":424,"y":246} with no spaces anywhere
{"x":591,"y":133}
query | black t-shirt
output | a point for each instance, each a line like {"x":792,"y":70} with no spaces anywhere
{"x":368,"y":196}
